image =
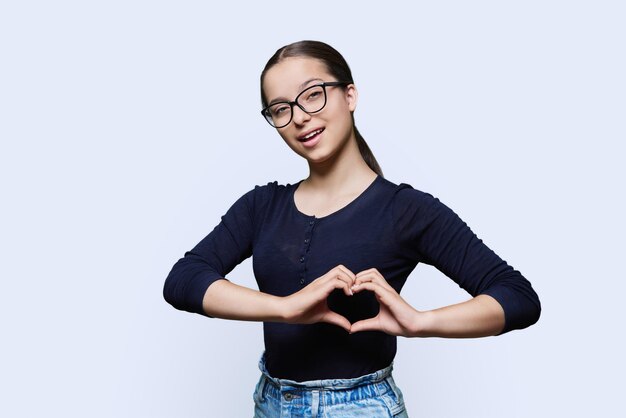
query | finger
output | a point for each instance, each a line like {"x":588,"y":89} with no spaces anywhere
{"x":375,"y":277}
{"x":366,"y":271}
{"x":347,"y":271}
{"x":341,"y":275}
{"x":347,"y":274}
{"x":362,"y":277}
{"x":383,"y":294}
{"x":369,"y":324}
{"x":337,"y":283}
{"x":336,"y":319}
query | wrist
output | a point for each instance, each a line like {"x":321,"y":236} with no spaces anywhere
{"x":284,"y":311}
{"x":423,"y":324}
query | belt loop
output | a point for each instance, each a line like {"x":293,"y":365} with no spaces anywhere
{"x":315,"y":403}
{"x":390,"y":380}
{"x":261,"y":389}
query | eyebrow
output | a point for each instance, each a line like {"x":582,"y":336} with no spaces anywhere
{"x":300,"y":87}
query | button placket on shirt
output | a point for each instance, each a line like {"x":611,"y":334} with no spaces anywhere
{"x":305,"y":248}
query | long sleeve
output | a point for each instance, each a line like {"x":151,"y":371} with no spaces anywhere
{"x":226,"y":246}
{"x":432,"y":233}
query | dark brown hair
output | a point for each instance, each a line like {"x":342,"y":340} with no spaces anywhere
{"x":336,"y":66}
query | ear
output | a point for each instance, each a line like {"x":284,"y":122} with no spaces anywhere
{"x":352,"y":96}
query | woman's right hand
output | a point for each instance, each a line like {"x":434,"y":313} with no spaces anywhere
{"x":309,"y":305}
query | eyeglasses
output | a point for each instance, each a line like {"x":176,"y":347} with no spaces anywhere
{"x":310,"y":100}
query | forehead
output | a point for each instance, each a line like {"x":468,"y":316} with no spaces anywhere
{"x":285,"y":78}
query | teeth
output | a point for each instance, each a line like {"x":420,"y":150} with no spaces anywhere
{"x":312,"y":134}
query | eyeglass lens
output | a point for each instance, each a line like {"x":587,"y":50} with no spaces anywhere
{"x":311,"y":100}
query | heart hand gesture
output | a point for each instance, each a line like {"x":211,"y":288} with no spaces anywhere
{"x":309,"y":305}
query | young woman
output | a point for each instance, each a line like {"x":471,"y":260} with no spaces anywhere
{"x":331,"y":254}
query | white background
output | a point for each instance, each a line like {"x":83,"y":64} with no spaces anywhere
{"x":128,"y":128}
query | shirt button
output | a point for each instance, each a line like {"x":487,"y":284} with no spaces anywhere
{"x":288,"y":396}
{"x":310,"y":222}
{"x":301,"y":281}
{"x":302,"y":259}
{"x":306,"y":240}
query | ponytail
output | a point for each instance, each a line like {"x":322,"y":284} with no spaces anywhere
{"x":366,"y":152}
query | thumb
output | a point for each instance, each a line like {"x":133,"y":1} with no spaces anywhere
{"x":336,"y":319}
{"x":369,"y":324}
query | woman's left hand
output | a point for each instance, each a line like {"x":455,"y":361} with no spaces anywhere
{"x":396,"y":317}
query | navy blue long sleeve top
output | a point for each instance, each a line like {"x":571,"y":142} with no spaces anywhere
{"x":390,"y":227}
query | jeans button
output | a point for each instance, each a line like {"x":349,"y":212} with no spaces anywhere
{"x":288,"y":396}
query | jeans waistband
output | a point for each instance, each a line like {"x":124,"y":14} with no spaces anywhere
{"x":374,"y":377}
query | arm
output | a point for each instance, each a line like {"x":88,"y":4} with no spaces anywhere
{"x":189,"y":285}
{"x":432,"y":233}
{"x":481,"y":316}
{"x":227,"y":300}
{"x":307,"y":306}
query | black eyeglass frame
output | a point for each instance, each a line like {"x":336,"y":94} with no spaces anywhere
{"x":265,"y":110}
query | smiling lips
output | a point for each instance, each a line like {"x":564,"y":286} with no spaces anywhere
{"x":310,"y":135}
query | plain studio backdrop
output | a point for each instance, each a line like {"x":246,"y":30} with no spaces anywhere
{"x":129,"y":128}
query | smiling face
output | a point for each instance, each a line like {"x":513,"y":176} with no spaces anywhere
{"x":317,"y":136}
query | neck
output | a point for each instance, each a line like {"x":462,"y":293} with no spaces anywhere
{"x":343,"y":173}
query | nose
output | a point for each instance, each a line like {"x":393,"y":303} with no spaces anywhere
{"x":300,"y":116}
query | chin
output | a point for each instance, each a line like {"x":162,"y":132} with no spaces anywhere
{"x":319,"y":156}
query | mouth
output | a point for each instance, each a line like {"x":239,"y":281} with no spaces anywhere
{"x":311,"y":135}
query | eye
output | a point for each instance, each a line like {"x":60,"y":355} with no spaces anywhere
{"x":314,"y":94}
{"x":279,"y":109}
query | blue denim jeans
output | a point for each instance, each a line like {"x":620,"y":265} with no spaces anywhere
{"x":374,"y":395}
